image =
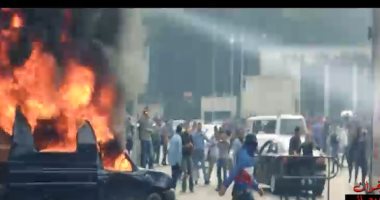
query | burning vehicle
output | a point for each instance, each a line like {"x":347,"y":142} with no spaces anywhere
{"x":60,"y":110}
{"x":32,"y":174}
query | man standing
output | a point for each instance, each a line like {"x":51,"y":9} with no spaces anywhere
{"x":317,"y":130}
{"x":237,"y":143}
{"x":175,"y":155}
{"x":129,"y":133}
{"x":164,"y":142}
{"x":222,"y":163}
{"x":170,"y":128}
{"x":145,"y":133}
{"x":213,"y":152}
{"x":156,"y":140}
{"x":334,"y":141}
{"x":187,"y":163}
{"x":199,"y":139}
{"x":242,"y":172}
{"x":352,"y":127}
{"x":361,"y":161}
{"x":295,"y":142}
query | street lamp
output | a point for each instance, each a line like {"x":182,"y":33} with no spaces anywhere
{"x":239,"y":103}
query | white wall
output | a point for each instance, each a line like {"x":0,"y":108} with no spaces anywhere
{"x":213,"y":104}
{"x":269,"y":95}
{"x":287,"y":61}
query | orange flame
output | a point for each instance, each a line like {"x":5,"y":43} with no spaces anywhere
{"x":16,"y":21}
{"x":36,"y":88}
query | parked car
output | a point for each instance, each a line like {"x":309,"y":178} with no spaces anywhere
{"x":279,"y":128}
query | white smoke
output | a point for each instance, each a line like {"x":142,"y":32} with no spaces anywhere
{"x":129,"y":64}
{"x":129,"y":60}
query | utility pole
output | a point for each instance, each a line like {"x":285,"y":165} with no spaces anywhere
{"x":326,"y":99}
{"x":232,"y":40}
{"x":213,"y":70}
{"x":239,"y":103}
{"x":354,"y":88}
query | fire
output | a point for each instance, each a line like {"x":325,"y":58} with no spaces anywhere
{"x":62,"y":99}
{"x":17,"y":21}
{"x":7,"y":105}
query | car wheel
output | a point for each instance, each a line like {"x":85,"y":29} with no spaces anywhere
{"x":318,"y":191}
{"x":154,"y":196}
{"x":275,"y":185}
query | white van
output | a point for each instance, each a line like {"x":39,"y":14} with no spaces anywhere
{"x":279,"y":128}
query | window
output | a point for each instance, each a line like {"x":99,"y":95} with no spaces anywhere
{"x":265,"y":126}
{"x":288,"y":126}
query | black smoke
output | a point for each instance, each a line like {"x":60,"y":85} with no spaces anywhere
{"x":89,"y":29}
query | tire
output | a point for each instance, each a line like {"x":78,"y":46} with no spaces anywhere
{"x":275,"y":185}
{"x":154,"y":196}
{"x":318,"y":191}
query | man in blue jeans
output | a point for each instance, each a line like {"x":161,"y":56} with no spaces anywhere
{"x":242,"y":172}
{"x":222,"y":162}
{"x":175,"y":155}
{"x":199,"y":139}
{"x":145,"y":132}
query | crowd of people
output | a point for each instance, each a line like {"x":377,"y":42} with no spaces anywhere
{"x":346,"y":139}
{"x":188,"y":151}
{"x":186,"y":155}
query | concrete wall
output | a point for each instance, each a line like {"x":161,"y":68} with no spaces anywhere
{"x":287,"y":62}
{"x":214,"y":104}
{"x":269,"y":95}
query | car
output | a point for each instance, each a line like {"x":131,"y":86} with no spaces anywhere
{"x":286,"y":174}
{"x":79,"y":175}
{"x":177,"y":122}
{"x":279,"y":128}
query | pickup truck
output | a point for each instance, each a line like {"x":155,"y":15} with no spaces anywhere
{"x":32,"y":175}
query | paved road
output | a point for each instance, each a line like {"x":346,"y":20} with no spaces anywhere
{"x":338,"y":188}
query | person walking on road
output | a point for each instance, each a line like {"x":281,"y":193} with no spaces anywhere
{"x":242,"y":172}
{"x":351,"y":149}
{"x":145,"y":133}
{"x":175,"y":155}
{"x":199,"y":138}
{"x":222,"y":163}
{"x":187,"y":163}
{"x":213,"y":151}
{"x":361,"y":154}
{"x":334,"y":141}
{"x":343,"y":141}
